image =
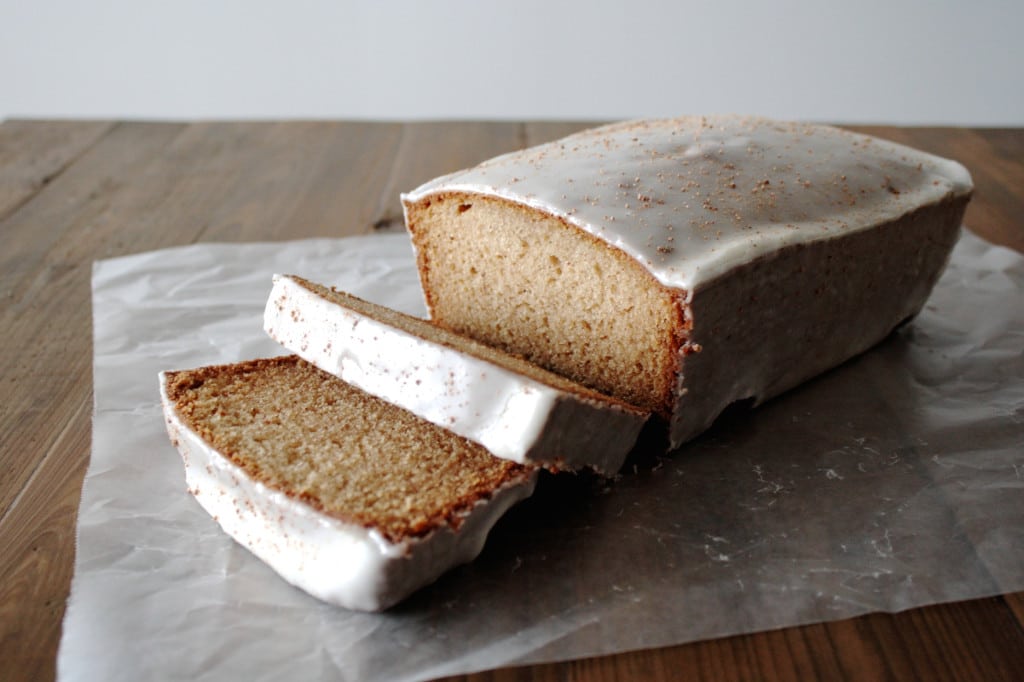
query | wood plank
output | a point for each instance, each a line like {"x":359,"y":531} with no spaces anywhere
{"x":147,"y":188}
{"x":978,"y":640}
{"x":539,"y":132}
{"x":45,"y":363}
{"x":1016,"y":603}
{"x":139,"y":186}
{"x":963,"y":640}
{"x":144,"y":186}
{"x":38,"y":538}
{"x":1005,"y":143}
{"x":283,"y":180}
{"x":44,"y":274}
{"x":33,"y":153}
{"x":428,"y":150}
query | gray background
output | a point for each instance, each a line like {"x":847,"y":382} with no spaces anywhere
{"x":873,"y":61}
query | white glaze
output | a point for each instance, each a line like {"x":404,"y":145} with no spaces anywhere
{"x":341,"y":563}
{"x":514,"y":416}
{"x":692,"y":198}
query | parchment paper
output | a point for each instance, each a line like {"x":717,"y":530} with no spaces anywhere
{"x":892,"y":482}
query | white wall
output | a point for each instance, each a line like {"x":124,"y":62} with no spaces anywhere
{"x":913,"y":61}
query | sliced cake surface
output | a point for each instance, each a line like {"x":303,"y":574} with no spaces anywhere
{"x":348,"y":497}
{"x":684,"y":264}
{"x":515,"y":409}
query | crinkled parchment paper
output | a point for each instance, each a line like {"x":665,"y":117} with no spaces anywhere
{"x":892,"y":482}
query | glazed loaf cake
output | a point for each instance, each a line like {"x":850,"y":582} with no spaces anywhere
{"x":515,"y":409}
{"x":348,"y":497}
{"x":686,"y":264}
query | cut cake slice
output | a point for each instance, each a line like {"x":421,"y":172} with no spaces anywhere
{"x":515,"y":409}
{"x":346,"y":496}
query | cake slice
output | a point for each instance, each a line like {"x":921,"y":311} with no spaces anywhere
{"x":346,"y":496}
{"x":686,"y":264}
{"x":515,"y":409}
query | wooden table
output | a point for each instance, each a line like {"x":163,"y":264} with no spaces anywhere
{"x":75,"y":191}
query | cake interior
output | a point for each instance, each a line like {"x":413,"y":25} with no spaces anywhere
{"x":344,"y":452}
{"x":431,"y":332}
{"x":529,"y":283}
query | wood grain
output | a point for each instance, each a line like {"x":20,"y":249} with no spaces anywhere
{"x":44,"y":274}
{"x":38,"y":541}
{"x":539,"y":132}
{"x":72,"y":192}
{"x":34,"y":152}
{"x":944,"y":642}
{"x":428,"y":150}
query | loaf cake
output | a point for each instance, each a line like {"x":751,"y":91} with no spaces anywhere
{"x":513,"y":408}
{"x":686,"y":264}
{"x":348,"y":497}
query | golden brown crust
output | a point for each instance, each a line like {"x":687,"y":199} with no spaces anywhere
{"x":345,"y":453}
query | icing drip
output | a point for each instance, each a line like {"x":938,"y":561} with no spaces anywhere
{"x":691,"y":198}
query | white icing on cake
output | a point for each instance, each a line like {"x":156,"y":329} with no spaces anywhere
{"x":694,"y":197}
{"x":514,"y":416}
{"x":341,"y":563}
